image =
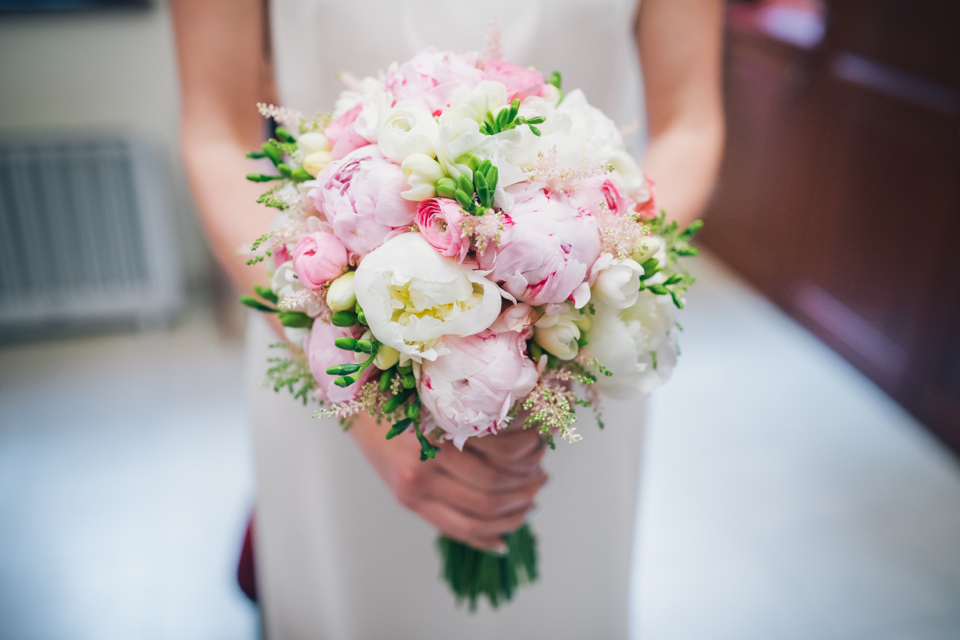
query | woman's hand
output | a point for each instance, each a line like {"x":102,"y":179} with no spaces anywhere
{"x":474,"y":495}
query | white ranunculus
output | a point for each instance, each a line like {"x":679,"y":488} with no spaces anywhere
{"x":412,"y":297}
{"x":340,"y":295}
{"x":422,"y":173}
{"x":375,"y":105}
{"x":637,"y":344}
{"x":454,"y":140}
{"x":349,"y":98}
{"x":557,"y":332}
{"x":615,"y":282}
{"x":474,"y":103}
{"x":405,"y":129}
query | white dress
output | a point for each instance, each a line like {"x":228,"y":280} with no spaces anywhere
{"x":337,"y":557}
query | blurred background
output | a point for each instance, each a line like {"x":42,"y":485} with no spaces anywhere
{"x":811,"y":491}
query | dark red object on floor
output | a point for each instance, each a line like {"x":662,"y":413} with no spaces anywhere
{"x":247,"y":566}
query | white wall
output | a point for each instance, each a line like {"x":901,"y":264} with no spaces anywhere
{"x":100,"y":69}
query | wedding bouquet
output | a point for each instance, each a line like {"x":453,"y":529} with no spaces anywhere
{"x":460,"y":246}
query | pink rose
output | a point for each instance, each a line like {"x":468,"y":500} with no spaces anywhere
{"x":646,"y":197}
{"x":318,"y":258}
{"x":342,"y":133}
{"x":545,"y":254}
{"x":439,"y":221}
{"x":322,"y":354}
{"x":469,"y":391}
{"x":431,"y":77}
{"x":360,"y":198}
{"x":520,"y":82}
{"x":602,"y":191}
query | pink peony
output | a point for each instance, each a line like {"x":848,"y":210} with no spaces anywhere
{"x":545,"y":254}
{"x":439,"y":221}
{"x":520,"y":82}
{"x":322,"y":354}
{"x":647,"y":200}
{"x":318,"y":258}
{"x":602,"y":191}
{"x":431,"y":77}
{"x":469,"y":391}
{"x":360,"y":198}
{"x":342,"y":133}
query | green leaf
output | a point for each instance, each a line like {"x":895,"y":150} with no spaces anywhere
{"x":295,"y":319}
{"x":266,"y":293}
{"x":691,"y":229}
{"x":253,"y":303}
{"x":344,"y":319}
{"x":398,"y":428}
{"x":658,"y":289}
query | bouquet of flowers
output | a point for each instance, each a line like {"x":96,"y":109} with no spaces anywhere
{"x":461,"y":246}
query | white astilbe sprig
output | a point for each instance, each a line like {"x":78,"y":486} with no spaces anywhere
{"x":493,"y":49}
{"x":483,"y":230}
{"x":370,"y":400}
{"x":291,"y":119}
{"x":551,"y":403}
{"x":564,"y":177}
{"x":313,"y":302}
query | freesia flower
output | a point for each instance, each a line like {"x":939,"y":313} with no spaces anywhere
{"x":557,"y":331}
{"x":340,"y":294}
{"x":439,"y":221}
{"x":516,"y":317}
{"x":615,"y":282}
{"x":422,"y":173}
{"x":318,"y":258}
{"x":412,"y":297}
{"x":470,"y":390}
{"x":546,"y":253}
{"x":637,"y":344}
{"x":519,"y":81}
{"x":360,"y":198}
{"x":405,"y":129}
{"x":322,"y":354}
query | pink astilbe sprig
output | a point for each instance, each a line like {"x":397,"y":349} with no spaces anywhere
{"x":483,"y":230}
{"x":370,"y":400}
{"x":621,"y":235}
{"x":492,"y":50}
{"x":308,"y":301}
{"x":291,"y":119}
{"x":565,"y":178}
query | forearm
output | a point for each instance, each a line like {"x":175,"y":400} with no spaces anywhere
{"x":683,"y":161}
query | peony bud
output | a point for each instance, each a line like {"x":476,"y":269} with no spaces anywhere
{"x":310,"y":143}
{"x":422,"y":173}
{"x":340,"y":295}
{"x":317,"y":162}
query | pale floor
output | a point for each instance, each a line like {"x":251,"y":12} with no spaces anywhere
{"x":783,"y":496}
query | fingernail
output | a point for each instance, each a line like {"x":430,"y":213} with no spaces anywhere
{"x":499,"y":549}
{"x":516,"y":504}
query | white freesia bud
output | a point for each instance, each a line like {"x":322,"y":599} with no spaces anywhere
{"x":317,"y":162}
{"x":456,"y":139}
{"x":405,"y":129}
{"x":312,"y":142}
{"x":557,"y":332}
{"x":647,"y":248}
{"x":412,"y":297}
{"x":422,"y":173}
{"x":340,"y":294}
{"x":617,"y":282}
{"x":387,"y":356}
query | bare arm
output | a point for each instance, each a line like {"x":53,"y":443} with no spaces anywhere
{"x":474,"y":495}
{"x":679,"y":44}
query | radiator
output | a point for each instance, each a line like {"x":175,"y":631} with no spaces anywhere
{"x":85,"y":233}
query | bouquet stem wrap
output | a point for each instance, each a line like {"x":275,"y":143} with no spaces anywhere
{"x":472,"y":573}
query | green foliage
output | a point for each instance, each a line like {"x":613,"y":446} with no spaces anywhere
{"x":508,"y":118}
{"x":677,"y":279}
{"x":291,"y":373}
{"x":473,"y":573}
{"x":270,"y":199}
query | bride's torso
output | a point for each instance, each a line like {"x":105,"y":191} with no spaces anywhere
{"x":589,"y":41}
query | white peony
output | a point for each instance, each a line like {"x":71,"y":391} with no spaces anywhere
{"x":412,"y":297}
{"x":405,"y":129}
{"x":637,"y":344}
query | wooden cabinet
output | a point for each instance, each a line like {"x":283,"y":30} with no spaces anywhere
{"x":840,"y":191}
